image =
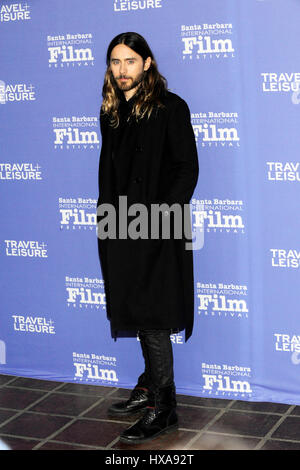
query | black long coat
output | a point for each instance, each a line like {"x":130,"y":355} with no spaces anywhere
{"x":148,"y":283}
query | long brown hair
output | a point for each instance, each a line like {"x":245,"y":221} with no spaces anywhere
{"x":150,"y":90}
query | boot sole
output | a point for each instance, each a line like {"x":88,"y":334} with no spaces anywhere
{"x":140,"y":441}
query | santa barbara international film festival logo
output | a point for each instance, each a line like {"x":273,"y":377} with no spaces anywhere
{"x":226,"y":380}
{"x":218,"y":215}
{"x":85,"y":292}
{"x":77,"y":213}
{"x":70,"y":50}
{"x":216,"y":129}
{"x":16,"y":92}
{"x":207,"y":41}
{"x":132,"y":5}
{"x":14,"y":12}
{"x":75,"y":132}
{"x":95,"y":368}
{"x":219,"y":299}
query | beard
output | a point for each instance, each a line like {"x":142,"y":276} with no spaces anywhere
{"x":132,"y":83}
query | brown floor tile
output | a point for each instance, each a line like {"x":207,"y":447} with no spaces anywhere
{"x":35,"y":383}
{"x":15,"y":443}
{"x":243,"y":423}
{"x":176,"y":440}
{"x":90,"y":432}
{"x":288,"y":429}
{"x":273,"y":444}
{"x":121,"y":393}
{"x":295,"y":411}
{"x":50,"y":445}
{"x":6,"y":414}
{"x":18,"y":399}
{"x":201,"y":401}
{"x":265,"y":407}
{"x":6,"y":378}
{"x":195,"y":418}
{"x":65,"y":404}
{"x":34,"y":425}
{"x":220,"y":442}
{"x":83,"y":389}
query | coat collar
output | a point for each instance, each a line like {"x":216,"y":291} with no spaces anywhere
{"x":123,"y":100}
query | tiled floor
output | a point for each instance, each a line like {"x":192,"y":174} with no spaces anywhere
{"x":37,"y":414}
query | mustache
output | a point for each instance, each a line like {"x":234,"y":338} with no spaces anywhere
{"x":134,"y":83}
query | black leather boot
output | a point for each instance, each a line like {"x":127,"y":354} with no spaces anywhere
{"x":139,"y":396}
{"x":160,"y":416}
{"x":137,"y":401}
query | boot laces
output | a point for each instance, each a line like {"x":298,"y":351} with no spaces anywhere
{"x":137,"y":393}
{"x":149,"y":416}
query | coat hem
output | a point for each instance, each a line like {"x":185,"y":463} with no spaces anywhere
{"x":119,"y":333}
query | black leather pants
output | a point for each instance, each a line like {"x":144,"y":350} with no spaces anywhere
{"x":158,"y":355}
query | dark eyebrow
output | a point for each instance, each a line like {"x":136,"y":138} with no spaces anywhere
{"x":128,"y":58}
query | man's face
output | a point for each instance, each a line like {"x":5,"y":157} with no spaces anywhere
{"x":127,"y":67}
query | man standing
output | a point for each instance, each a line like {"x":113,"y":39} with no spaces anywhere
{"x":149,"y":155}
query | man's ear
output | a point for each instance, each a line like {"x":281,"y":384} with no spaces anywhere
{"x":147,"y":63}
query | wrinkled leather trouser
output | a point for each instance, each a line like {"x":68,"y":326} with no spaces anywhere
{"x":158,"y":355}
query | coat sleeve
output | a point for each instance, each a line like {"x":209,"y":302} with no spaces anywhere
{"x":103,"y":122}
{"x":103,"y":127}
{"x":183,"y":155}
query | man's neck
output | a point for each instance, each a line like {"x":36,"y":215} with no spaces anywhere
{"x":129,"y":94}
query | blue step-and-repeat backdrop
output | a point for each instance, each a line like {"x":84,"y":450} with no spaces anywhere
{"x":236,"y":64}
